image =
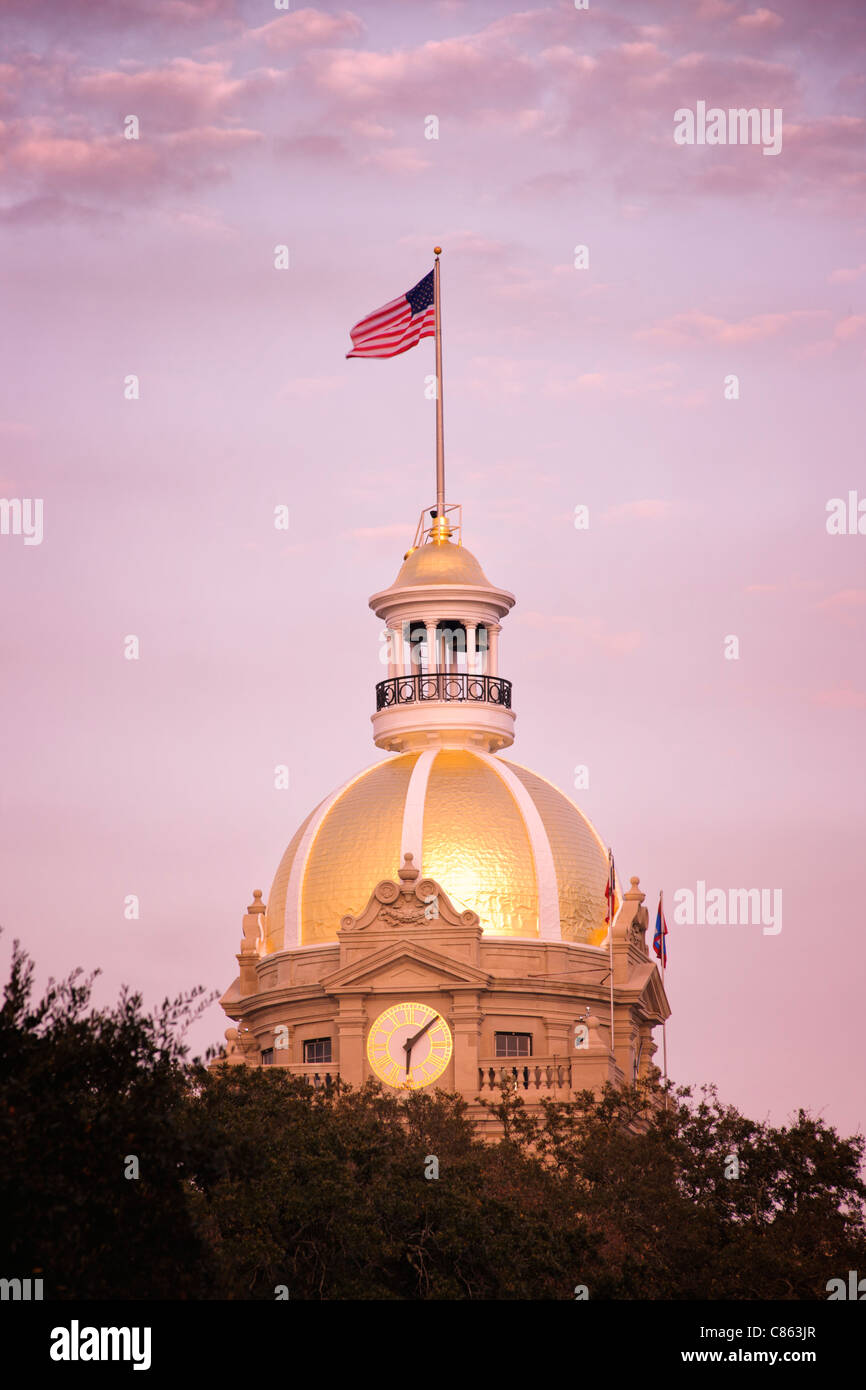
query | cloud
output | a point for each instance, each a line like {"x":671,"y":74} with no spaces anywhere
{"x":759,"y":21}
{"x":849,"y":327}
{"x":399,"y":160}
{"x":109,"y":15}
{"x":841,"y":697}
{"x":55,"y":169}
{"x":49,"y":208}
{"x":306,"y":29}
{"x":846,"y":275}
{"x":843,"y":599}
{"x":661,"y":380}
{"x":696,"y":326}
{"x":448,"y":77}
{"x":462,"y":240}
{"x":183,"y":92}
{"x":311,"y":145}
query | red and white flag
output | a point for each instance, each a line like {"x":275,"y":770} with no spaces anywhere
{"x":397,"y":326}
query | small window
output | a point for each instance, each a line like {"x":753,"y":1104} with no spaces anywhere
{"x":268,"y":1057}
{"x":317,"y":1050}
{"x":512,"y":1044}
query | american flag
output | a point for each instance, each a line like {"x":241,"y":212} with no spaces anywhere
{"x":398,"y":325}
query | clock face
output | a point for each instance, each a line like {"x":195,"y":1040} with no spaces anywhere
{"x":409,"y":1046}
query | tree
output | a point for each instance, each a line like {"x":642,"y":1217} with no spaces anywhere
{"x":82,"y":1092}
{"x":251,"y":1181}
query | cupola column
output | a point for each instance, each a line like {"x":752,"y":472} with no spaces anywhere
{"x":471,"y":629}
{"x":431,"y":646}
{"x":395,"y":665}
{"x":493,"y":631}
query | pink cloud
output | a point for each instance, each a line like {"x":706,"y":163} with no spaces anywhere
{"x":402,"y":160}
{"x":711,"y":10}
{"x":52,"y":164}
{"x":445,"y":77}
{"x":110,"y":15}
{"x":828,"y":150}
{"x":311,"y":146}
{"x":844,"y":599}
{"x":759,"y":21}
{"x":699,"y":327}
{"x":659,"y":378}
{"x":184,"y":91}
{"x":849,"y":327}
{"x":306,"y":29}
{"x":847,"y":275}
{"x":841,"y":697}
{"x":462,"y":241}
{"x":49,"y":208}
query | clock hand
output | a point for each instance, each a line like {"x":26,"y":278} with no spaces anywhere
{"x":410,"y":1042}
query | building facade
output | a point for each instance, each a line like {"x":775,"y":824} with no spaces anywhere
{"x":440,"y":920}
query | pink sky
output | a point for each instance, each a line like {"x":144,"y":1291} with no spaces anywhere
{"x":601,"y":387}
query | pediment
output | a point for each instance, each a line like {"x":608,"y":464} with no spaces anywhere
{"x":646,"y":979}
{"x":405,"y":964}
{"x":413,"y":902}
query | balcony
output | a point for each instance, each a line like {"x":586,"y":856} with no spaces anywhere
{"x":457,"y":686}
{"x":317,"y":1074}
{"x":529,"y":1073}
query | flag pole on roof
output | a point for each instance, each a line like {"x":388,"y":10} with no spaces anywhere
{"x":398,"y":326}
{"x":660,"y":946}
{"x":440,"y":428}
{"x":610,"y":895}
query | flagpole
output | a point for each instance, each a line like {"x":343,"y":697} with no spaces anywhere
{"x":440,"y":433}
{"x":664,"y":963}
{"x":612,"y":884}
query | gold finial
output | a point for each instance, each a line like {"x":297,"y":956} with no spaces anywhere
{"x":437,"y":250}
{"x":440,"y":530}
{"x":256,"y":905}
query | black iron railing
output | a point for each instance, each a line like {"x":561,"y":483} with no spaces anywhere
{"x":407,"y":690}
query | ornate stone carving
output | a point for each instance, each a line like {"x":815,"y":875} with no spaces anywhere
{"x":252,"y":924}
{"x":633,"y":930}
{"x":413,"y":902}
{"x":240,"y":1045}
{"x":639,"y":924}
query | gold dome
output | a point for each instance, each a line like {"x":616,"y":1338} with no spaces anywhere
{"x":441,"y":562}
{"x":499,"y":839}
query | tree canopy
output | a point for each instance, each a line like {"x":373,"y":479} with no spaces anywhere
{"x":247,"y":1181}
